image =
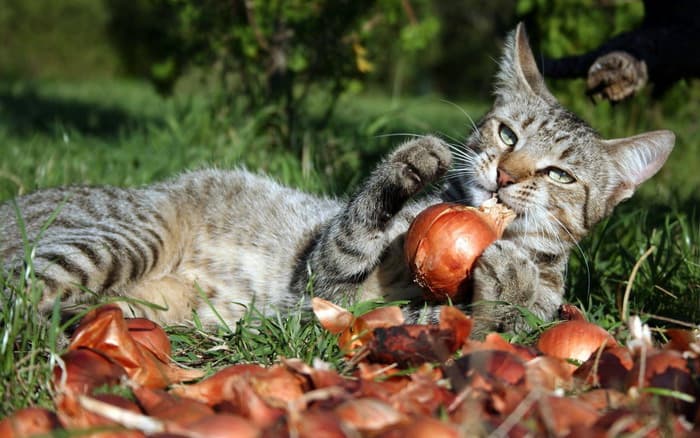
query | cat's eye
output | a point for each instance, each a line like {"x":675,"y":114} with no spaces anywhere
{"x":507,"y":135}
{"x":560,"y":176}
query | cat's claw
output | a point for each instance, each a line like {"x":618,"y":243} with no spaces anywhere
{"x":420,"y":162}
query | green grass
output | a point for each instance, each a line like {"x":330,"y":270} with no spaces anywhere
{"x":120,"y":132}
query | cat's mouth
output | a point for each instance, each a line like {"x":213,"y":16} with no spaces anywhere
{"x":480,"y":194}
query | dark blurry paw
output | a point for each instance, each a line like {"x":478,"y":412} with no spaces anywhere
{"x":616,"y":76}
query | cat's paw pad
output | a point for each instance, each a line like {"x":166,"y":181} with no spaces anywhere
{"x":420,"y":162}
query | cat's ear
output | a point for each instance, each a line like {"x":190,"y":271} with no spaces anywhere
{"x":637,"y":159}
{"x":518,"y":70}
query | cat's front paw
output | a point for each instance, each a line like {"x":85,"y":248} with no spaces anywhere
{"x":504,"y":279}
{"x":419,"y":163}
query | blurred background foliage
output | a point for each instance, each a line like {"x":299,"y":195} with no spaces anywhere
{"x":288,"y":63}
{"x":423,"y":45}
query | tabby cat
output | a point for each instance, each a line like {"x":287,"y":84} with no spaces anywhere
{"x":238,"y":238}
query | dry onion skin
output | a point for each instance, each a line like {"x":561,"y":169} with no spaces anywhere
{"x":444,"y":241}
{"x":574,"y":339}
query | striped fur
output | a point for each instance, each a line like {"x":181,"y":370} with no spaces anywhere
{"x":224,"y":240}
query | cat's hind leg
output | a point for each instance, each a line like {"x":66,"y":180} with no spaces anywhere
{"x":101,"y":242}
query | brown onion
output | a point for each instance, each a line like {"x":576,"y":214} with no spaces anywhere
{"x":222,"y":426}
{"x":368,"y":414}
{"x":28,"y":422}
{"x":574,"y":339}
{"x":151,"y":336}
{"x":332,"y":317}
{"x":86,"y":369}
{"x":444,"y":241}
{"x":424,"y":427}
{"x":105,"y":330}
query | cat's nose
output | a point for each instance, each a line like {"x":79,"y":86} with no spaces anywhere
{"x":504,"y":178}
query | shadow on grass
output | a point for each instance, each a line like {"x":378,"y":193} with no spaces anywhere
{"x":27,"y":112}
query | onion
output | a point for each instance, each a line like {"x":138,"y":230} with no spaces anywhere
{"x":574,"y":339}
{"x":496,"y":365}
{"x":604,"y":399}
{"x":74,"y":417}
{"x":218,"y":387}
{"x":548,"y":372}
{"x":222,"y":426}
{"x":424,"y":427}
{"x":86,"y":369}
{"x":151,"y":336}
{"x":315,"y":423}
{"x":368,"y":414}
{"x":444,"y":241}
{"x":105,"y":330}
{"x":609,"y":370}
{"x":332,"y":317}
{"x":566,"y":414}
{"x":28,"y":422}
{"x":160,"y":404}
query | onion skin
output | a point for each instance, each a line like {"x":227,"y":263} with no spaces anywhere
{"x":151,"y":336}
{"x":28,"y":422}
{"x":444,"y":241}
{"x":574,"y":339}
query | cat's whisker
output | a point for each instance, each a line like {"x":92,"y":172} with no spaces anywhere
{"x":455,"y":141}
{"x":462,"y":148}
{"x":463,"y":165}
{"x":475,"y":128}
{"x":580,"y":250}
{"x":462,"y":153}
{"x":409,"y":135}
{"x":458,"y":175}
{"x":468,"y":159}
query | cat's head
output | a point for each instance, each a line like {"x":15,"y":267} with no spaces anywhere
{"x":545,"y":163}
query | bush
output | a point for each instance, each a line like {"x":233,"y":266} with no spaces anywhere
{"x":275,"y":53}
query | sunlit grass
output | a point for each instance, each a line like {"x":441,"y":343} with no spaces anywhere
{"x":123,"y":133}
